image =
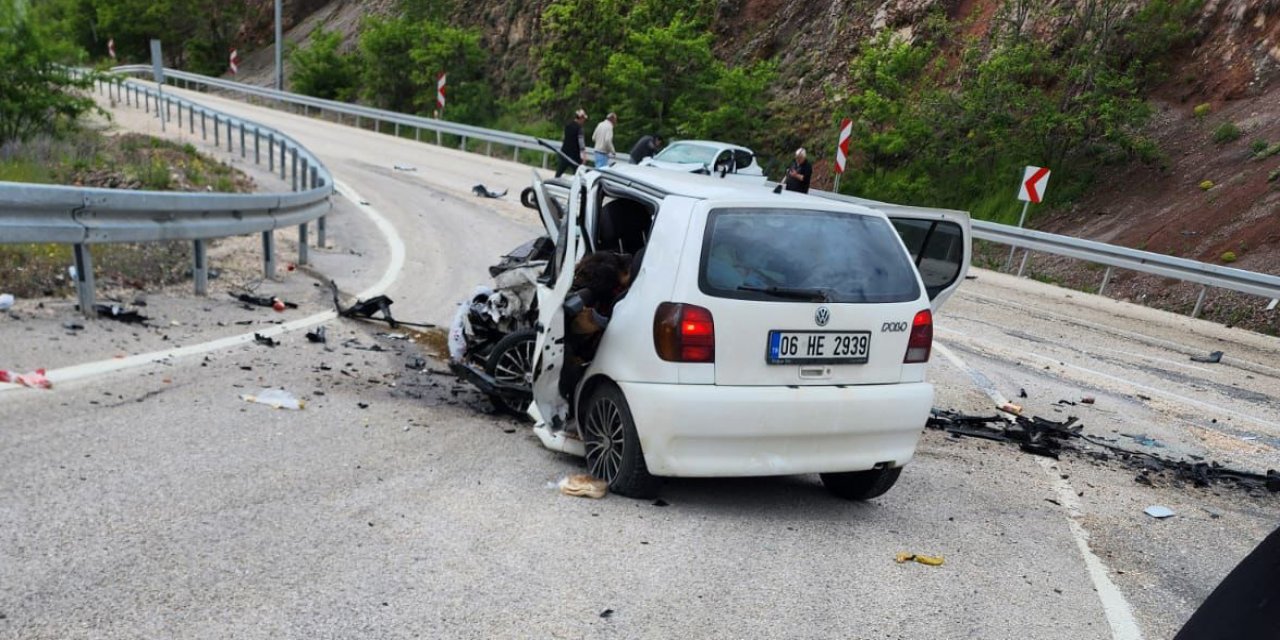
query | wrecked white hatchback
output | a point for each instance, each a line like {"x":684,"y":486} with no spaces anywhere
{"x":761,"y":334}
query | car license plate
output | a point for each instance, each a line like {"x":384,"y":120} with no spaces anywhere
{"x":819,"y":347}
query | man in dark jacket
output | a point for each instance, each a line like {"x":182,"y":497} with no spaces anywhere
{"x":645,"y":148}
{"x":799,"y":173}
{"x":573,"y":146}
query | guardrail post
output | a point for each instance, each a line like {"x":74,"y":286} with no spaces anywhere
{"x":283,"y":151}
{"x":84,"y":278}
{"x":1023,"y":267}
{"x":417,"y":134}
{"x":463,"y":146}
{"x":217,"y":135}
{"x":168,"y":102}
{"x":257,"y":139}
{"x":294,"y":177}
{"x":1195,"y":313}
{"x":146,"y":102}
{"x":268,"y":255}
{"x":271,"y":152}
{"x":357,"y":121}
{"x":302,"y":243}
{"x":544,"y":161}
{"x":438,"y":144}
{"x":229,"y":128}
{"x":242,"y":152}
{"x":515,"y":154}
{"x":200,"y":267}
{"x":397,"y":129}
{"x":1106,"y":277}
{"x":488,"y":149}
{"x":204,"y":126}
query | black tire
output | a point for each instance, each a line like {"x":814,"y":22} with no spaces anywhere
{"x":861,"y":485}
{"x":613,"y":448}
{"x":529,"y":198}
{"x":511,"y":361}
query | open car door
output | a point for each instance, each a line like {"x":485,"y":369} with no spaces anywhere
{"x":940,"y":242}
{"x":549,"y":209}
{"x":550,"y":410}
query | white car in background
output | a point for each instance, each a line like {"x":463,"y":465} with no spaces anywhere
{"x":763,"y":334}
{"x":708,"y":157}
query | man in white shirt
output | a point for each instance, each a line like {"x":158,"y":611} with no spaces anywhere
{"x":602,"y":140}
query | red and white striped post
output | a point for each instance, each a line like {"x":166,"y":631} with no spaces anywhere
{"x":842,"y":149}
{"x":440,"y":88}
{"x":233,"y":62}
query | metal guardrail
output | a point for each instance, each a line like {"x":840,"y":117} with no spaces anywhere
{"x":359,"y":113}
{"x":84,"y":216}
{"x":1114,"y":257}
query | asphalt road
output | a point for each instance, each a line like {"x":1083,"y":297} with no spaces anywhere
{"x":155,"y":503}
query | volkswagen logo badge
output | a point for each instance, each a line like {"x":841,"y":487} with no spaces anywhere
{"x":822,"y":316}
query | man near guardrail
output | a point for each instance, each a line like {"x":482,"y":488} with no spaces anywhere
{"x":602,"y":140}
{"x":645,"y":148}
{"x":574,"y":148}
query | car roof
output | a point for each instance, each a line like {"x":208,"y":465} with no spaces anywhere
{"x":713,"y":187}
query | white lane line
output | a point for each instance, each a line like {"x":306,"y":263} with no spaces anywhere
{"x":1117,"y":610}
{"x":394,"y":267}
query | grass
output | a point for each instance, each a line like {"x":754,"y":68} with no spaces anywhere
{"x":1226,"y":132}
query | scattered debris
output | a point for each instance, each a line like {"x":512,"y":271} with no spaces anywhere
{"x":262,"y":301}
{"x":1213,"y":358}
{"x":1010,"y":407}
{"x":120,"y":314}
{"x":317,"y":335}
{"x":393,"y":336}
{"x":34,"y":379}
{"x":402,"y":167}
{"x":581,"y":484}
{"x":661,"y":503}
{"x":1088,"y":400}
{"x":275,"y":398}
{"x":1022,"y":393}
{"x":364,"y":309}
{"x":72,"y":325}
{"x":1142,"y":397}
{"x":932,"y":561}
{"x":6,"y":301}
{"x":265,"y":340}
{"x":362,"y":405}
{"x":1045,"y":437}
{"x":417,"y":364}
{"x":1159,"y":512}
{"x":484,"y":192}
{"x":278,"y":305}
{"x":606,"y":613}
{"x":1144,"y":440}
{"x":1066,"y":402}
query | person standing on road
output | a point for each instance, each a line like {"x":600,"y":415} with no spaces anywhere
{"x":799,"y":173}
{"x":573,"y":148}
{"x":602,"y":140}
{"x":645,"y":148}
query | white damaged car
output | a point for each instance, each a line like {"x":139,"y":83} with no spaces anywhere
{"x":762,"y":334}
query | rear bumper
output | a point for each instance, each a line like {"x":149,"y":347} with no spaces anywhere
{"x":708,"y":430}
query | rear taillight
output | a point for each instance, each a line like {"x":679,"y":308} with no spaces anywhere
{"x":921,"y":340}
{"x":684,"y":333}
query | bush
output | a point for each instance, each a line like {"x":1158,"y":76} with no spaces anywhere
{"x":1229,"y":257}
{"x":36,"y":94}
{"x":1257,"y":147}
{"x":1202,"y":110}
{"x":1206,"y":185}
{"x":1226,"y":132}
{"x":320,"y":71}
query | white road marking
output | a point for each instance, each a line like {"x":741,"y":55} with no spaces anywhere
{"x":394,"y":267}
{"x":1117,"y":610}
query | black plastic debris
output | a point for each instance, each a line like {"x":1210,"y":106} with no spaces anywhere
{"x":484,"y":192}
{"x":72,"y":326}
{"x":317,"y":335}
{"x":1213,"y":358}
{"x":1022,"y":393}
{"x":661,"y":503}
{"x":1043,"y":437}
{"x":263,"y":301}
{"x":606,"y":613}
{"x":120,"y":314}
{"x":265,"y":340}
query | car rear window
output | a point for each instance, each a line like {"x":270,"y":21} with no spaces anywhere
{"x":795,"y":254}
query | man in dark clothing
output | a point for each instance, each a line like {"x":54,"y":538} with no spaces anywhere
{"x":573,"y":146}
{"x":645,"y":148}
{"x":799,"y":173}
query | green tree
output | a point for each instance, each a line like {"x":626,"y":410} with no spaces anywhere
{"x":386,"y":58}
{"x":662,"y":74}
{"x":459,"y":53}
{"x":320,"y":70}
{"x":36,"y":94}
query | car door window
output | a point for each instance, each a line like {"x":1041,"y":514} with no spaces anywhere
{"x":936,"y":247}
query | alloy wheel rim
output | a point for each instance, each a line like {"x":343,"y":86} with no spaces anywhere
{"x":604,"y":440}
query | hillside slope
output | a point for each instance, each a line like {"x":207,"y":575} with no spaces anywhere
{"x":1232,"y":66}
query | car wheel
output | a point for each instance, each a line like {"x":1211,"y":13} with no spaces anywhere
{"x":861,"y":485}
{"x":613,"y":448}
{"x":511,"y":362}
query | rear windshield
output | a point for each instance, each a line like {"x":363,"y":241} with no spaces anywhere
{"x":817,"y":256}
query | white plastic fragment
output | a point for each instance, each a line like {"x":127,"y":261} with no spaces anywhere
{"x":6,"y":301}
{"x":1159,"y":512}
{"x":276,"y":398}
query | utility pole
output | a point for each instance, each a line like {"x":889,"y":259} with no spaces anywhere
{"x":279,"y":50}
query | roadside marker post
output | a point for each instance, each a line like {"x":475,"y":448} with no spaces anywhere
{"x":1035,"y":180}
{"x":157,"y":67}
{"x":842,"y":149}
